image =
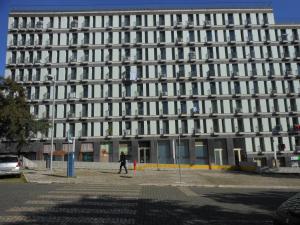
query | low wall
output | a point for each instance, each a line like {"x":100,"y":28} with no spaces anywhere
{"x":184,"y":166}
{"x":248,"y":166}
{"x":116,"y":165}
{"x":80,"y":165}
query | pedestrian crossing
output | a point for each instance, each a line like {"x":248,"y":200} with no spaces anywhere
{"x":128,"y":205}
{"x":78,"y":204}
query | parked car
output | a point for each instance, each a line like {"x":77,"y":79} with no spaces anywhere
{"x":10,"y":165}
{"x":288,"y":213}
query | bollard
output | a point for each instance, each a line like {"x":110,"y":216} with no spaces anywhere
{"x":134,"y":167}
{"x":70,"y":168}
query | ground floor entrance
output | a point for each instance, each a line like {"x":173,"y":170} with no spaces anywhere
{"x":237,"y":156}
{"x":144,"y":155}
{"x":170,"y":150}
{"x":218,"y":156}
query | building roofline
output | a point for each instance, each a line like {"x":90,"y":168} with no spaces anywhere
{"x":46,"y":12}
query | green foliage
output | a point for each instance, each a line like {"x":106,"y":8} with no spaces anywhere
{"x":17,"y":124}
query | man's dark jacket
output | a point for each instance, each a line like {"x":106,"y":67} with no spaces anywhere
{"x":122,"y":159}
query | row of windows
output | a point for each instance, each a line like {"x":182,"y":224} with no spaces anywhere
{"x":132,"y":73}
{"x":193,"y":88}
{"x":139,"y":20}
{"x":168,"y":108}
{"x":204,"y":126}
{"x":258,"y":145}
{"x":157,"y":37}
{"x":127,"y":54}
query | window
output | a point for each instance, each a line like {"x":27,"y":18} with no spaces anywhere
{"x":126,"y":20}
{"x":184,"y":127}
{"x":138,"y":21}
{"x":207,"y":19}
{"x":165,"y":109}
{"x":86,"y":22}
{"x":72,"y":129}
{"x":265,"y":19}
{"x":141,"y":127}
{"x":165,"y":126}
{"x":248,"y":19}
{"x":230,"y":19}
{"x":231,"y":35}
{"x":215,"y":125}
{"x":161,"y":21}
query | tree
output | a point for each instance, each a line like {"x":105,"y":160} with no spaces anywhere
{"x":17,"y":124}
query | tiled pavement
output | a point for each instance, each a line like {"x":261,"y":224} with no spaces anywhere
{"x":78,"y":204}
{"x":166,"y":177}
{"x":145,"y":205}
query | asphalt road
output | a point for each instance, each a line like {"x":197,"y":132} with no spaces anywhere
{"x":23,"y":204}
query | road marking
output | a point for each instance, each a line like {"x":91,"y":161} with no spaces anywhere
{"x":86,"y":196}
{"x":86,"y":203}
{"x":187,"y":191}
{"x":89,"y":192}
{"x":71,"y":210}
{"x":66,"y":219}
{"x":231,"y":222}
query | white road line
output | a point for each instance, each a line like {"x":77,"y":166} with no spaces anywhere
{"x":98,"y":189}
{"x":80,"y":196}
{"x":70,"y":210}
{"x":92,"y":192}
{"x":66,"y":219}
{"x":187,"y":191}
{"x":231,"y":222}
{"x":85,"y":203}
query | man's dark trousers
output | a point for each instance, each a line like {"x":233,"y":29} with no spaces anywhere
{"x":123,"y":165}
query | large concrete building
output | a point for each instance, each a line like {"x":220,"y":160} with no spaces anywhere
{"x":223,"y":84}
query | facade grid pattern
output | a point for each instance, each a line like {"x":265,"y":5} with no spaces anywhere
{"x":224,"y":82}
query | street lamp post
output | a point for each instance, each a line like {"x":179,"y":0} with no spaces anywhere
{"x":51,"y":77}
{"x":275,"y":157}
{"x":179,"y":158}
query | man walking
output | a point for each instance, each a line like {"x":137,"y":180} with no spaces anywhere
{"x":123,"y":162}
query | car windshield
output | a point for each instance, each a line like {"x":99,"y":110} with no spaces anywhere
{"x":8,"y":159}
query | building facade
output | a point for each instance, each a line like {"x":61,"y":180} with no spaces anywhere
{"x":205,"y":86}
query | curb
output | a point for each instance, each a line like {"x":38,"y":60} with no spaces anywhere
{"x":223,"y":186}
{"x":25,"y":178}
{"x":183,"y":185}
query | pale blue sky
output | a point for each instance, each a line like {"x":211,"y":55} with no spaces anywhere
{"x":286,"y":11}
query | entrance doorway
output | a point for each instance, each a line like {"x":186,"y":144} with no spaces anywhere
{"x":237,"y":156}
{"x":144,"y":155}
{"x":218,"y":156}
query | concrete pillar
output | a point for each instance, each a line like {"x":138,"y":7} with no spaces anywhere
{"x":210,"y":149}
{"x":270,"y":160}
{"x":58,"y":145}
{"x":96,"y":147}
{"x":153,"y":151}
{"x":230,"y":153}
{"x":134,"y":150}
{"x":40,"y":151}
{"x":77,"y":149}
{"x":192,"y":151}
{"x":115,"y":151}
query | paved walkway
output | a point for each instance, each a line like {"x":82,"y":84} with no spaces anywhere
{"x":166,"y":177}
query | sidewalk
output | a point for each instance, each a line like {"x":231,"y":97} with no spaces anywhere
{"x":205,"y":178}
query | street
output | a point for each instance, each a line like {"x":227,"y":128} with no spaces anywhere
{"x":139,"y":204}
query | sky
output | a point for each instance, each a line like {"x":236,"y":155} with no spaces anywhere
{"x":285,"y":11}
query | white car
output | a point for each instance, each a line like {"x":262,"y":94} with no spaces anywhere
{"x":9,"y":165}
